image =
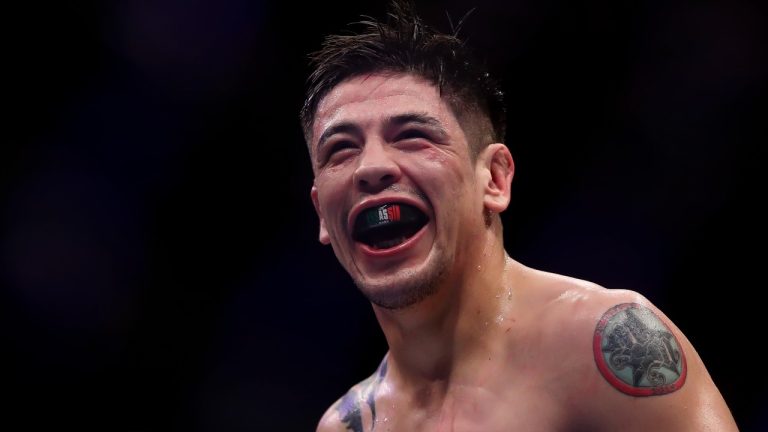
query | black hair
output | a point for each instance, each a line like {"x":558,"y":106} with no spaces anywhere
{"x":404,"y":44}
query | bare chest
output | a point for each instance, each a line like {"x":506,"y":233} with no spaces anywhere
{"x":524,"y":410}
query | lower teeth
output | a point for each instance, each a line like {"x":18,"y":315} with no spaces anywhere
{"x":386,"y":244}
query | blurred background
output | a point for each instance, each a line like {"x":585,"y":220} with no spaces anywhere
{"x":159,"y":268}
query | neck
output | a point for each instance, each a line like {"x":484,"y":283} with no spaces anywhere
{"x":441,"y":339}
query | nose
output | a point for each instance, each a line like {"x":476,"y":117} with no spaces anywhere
{"x":376,"y":169}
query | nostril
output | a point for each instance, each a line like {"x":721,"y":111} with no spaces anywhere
{"x":376,"y":173}
{"x":376,"y":180}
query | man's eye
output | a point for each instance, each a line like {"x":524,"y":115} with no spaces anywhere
{"x":411,"y":133}
{"x":338,"y":150}
{"x":340,"y":145}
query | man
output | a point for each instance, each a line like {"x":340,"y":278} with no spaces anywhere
{"x":405,"y":134}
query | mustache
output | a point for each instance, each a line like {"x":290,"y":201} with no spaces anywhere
{"x":405,"y":190}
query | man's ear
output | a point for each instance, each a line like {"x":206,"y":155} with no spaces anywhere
{"x":496,"y":169}
{"x":323,"y":237}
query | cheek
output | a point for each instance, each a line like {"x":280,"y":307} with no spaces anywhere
{"x":335,"y":174}
{"x":452,"y":159}
{"x":435,"y":157}
{"x":332,"y":195}
{"x":444,"y":174}
{"x":329,"y":184}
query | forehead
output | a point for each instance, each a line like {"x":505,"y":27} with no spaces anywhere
{"x":369,"y":98}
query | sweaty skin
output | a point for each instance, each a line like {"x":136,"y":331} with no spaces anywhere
{"x":478,"y":341}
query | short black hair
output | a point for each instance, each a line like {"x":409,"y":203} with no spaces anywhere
{"x":403,"y":44}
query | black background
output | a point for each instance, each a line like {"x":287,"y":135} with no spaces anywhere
{"x":160,"y":269}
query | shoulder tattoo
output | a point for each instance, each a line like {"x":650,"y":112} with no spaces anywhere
{"x":637,"y":353}
{"x":355,"y":401}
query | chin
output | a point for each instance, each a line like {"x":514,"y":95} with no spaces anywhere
{"x":404,"y":288}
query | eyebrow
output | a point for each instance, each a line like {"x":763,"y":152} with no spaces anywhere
{"x":396,"y":120}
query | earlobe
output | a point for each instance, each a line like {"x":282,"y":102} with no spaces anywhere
{"x":497,"y":183}
{"x":323,"y":236}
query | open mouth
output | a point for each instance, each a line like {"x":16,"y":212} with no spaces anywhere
{"x":388,"y":225}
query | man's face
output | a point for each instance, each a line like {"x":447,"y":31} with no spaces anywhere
{"x":395,"y":186}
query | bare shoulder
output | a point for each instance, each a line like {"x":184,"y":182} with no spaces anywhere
{"x":356,"y":410}
{"x":347,"y":413}
{"x":566,"y":310}
{"x":571,"y":311}
{"x":331,"y":420}
{"x":634,"y":368}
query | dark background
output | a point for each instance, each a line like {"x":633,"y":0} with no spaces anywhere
{"x":158,"y":256}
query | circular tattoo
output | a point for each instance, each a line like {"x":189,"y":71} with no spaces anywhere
{"x":637,"y":353}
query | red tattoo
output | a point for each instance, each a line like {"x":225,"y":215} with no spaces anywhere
{"x":637,"y":353}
